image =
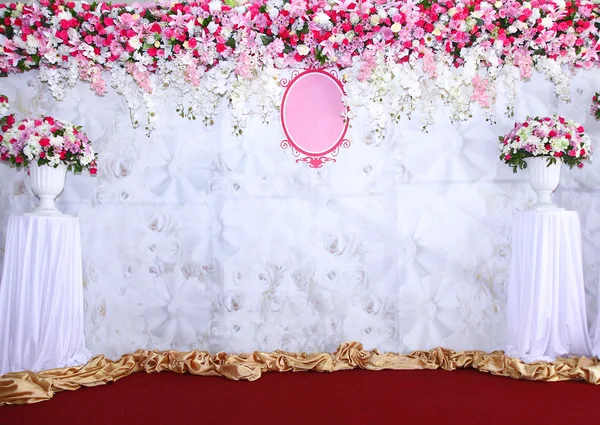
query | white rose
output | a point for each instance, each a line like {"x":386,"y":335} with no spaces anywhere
{"x":321,"y":18}
{"x":375,"y":20}
{"x":547,"y":22}
{"x":214,"y":6}
{"x":303,"y":49}
{"x":135,"y":43}
{"x":396,"y":27}
{"x":226,"y":32}
{"x":354,"y":18}
{"x":212,"y":27}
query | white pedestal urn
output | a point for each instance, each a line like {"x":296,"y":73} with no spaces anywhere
{"x":544,"y":179}
{"x":47,"y":183}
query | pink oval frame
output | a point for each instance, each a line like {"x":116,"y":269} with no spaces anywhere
{"x":313,"y":159}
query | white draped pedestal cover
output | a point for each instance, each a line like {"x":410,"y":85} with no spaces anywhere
{"x":41,"y":295}
{"x":546,"y":309}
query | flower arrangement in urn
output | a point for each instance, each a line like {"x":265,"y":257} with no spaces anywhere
{"x":595,"y":110}
{"x":541,"y":145}
{"x":48,"y":147}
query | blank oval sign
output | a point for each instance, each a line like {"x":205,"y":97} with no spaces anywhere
{"x":312,"y":112}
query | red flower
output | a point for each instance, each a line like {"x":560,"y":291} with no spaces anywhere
{"x":152,"y":51}
{"x":558,"y":154}
{"x":19,"y":159}
{"x":580,"y":165}
{"x":552,"y":133}
{"x":221,"y":47}
{"x":10,"y":120}
{"x":580,"y":129}
{"x":49,"y":120}
{"x":44,"y":142}
{"x":93,"y":170}
{"x":507,"y":157}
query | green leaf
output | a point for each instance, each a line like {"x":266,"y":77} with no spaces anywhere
{"x":231,"y":42}
{"x":288,"y":49}
{"x":480,"y":22}
{"x":304,"y":29}
{"x":266,"y":40}
{"x":206,"y":21}
{"x":319,"y":55}
{"x":149,"y":16}
{"x":9,"y":32}
{"x":263,"y":9}
{"x":231,"y":3}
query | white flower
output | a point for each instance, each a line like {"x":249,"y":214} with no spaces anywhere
{"x":303,"y":49}
{"x":57,"y":140}
{"x":215,"y":6}
{"x":547,"y":22}
{"x":212,"y":27}
{"x":135,"y":42}
{"x":322,"y":19}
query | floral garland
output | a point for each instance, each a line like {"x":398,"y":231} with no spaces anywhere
{"x":395,"y":53}
{"x":46,"y":141}
{"x":554,"y":137}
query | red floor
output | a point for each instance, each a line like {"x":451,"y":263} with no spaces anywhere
{"x":351,"y":397}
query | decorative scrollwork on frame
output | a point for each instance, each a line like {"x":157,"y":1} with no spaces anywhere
{"x":308,"y":119}
{"x":316,"y":161}
{"x":284,"y":82}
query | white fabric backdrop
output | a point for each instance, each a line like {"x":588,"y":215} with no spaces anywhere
{"x":194,"y":238}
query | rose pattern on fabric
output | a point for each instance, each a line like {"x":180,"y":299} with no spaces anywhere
{"x":194,"y":238}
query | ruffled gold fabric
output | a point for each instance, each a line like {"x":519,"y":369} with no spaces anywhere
{"x":29,"y":387}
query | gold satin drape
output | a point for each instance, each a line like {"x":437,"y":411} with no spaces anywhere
{"x":29,"y":387}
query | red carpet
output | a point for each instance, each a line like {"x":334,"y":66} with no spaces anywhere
{"x":352,"y":397}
